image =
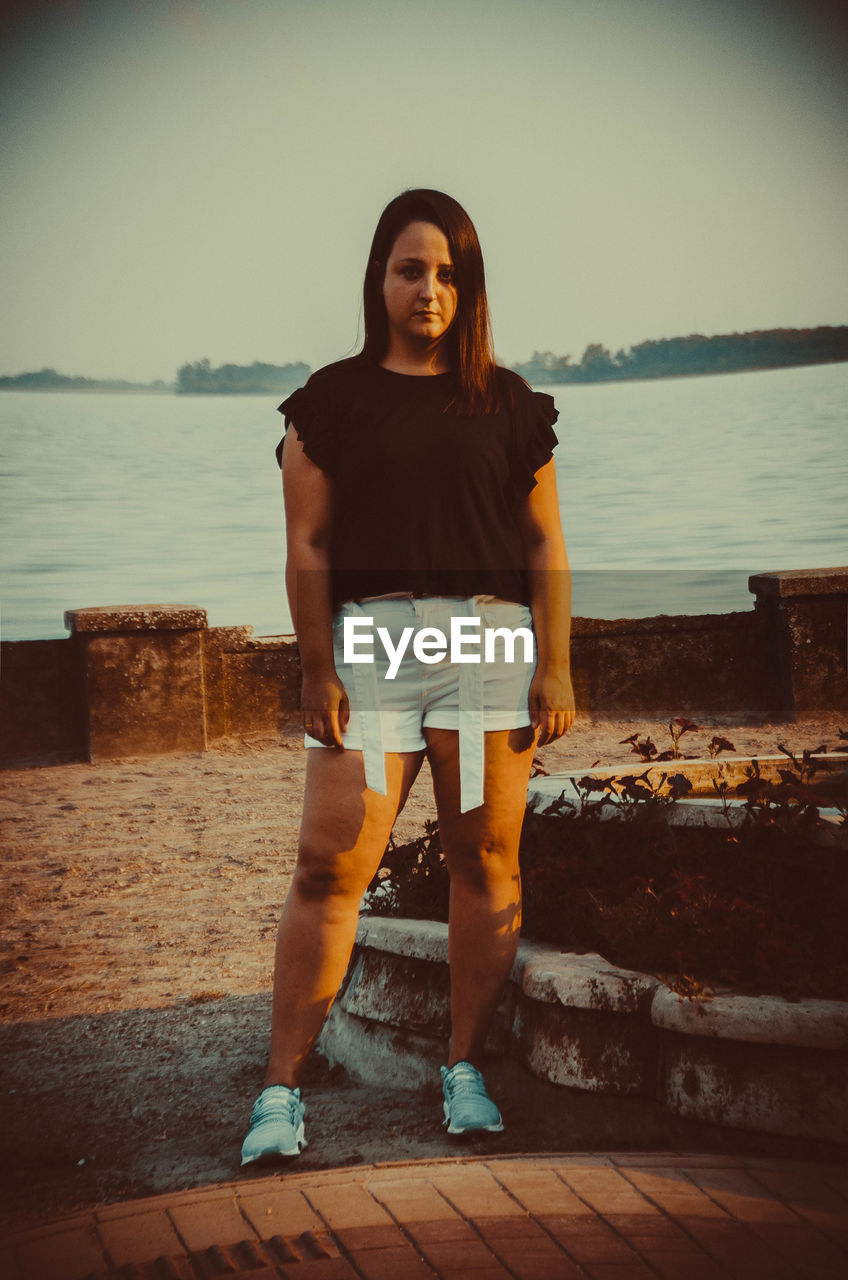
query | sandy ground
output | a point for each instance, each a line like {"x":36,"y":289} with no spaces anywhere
{"x":140,"y":899}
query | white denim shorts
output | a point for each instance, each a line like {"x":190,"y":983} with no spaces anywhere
{"x":472,"y":697}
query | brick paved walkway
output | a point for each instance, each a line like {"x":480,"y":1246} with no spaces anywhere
{"x":684,"y":1217}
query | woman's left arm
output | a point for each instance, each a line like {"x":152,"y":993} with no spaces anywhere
{"x":551,"y":695}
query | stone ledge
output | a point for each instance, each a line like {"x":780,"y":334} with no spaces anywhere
{"x":540,"y":972}
{"x":664,"y":623}
{"x":260,"y":643}
{"x":781,"y":584}
{"x":758,"y":1063}
{"x":701,"y":771}
{"x":417,"y":939}
{"x":135,"y":617}
{"x":579,"y":981}
{"x":807,"y":1024}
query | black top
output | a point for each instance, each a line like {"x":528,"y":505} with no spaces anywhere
{"x":425,"y":500}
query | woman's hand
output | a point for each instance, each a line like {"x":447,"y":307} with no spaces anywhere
{"x":551,"y":699}
{"x":551,"y":704}
{"x":325,"y":709}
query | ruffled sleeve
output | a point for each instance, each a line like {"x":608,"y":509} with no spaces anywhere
{"x":311,"y":409}
{"x":534,"y":414}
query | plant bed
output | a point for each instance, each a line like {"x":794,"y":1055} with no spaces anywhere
{"x":748,"y":892}
{"x":686,"y":953}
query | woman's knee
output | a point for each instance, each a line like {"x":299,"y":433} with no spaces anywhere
{"x":487,"y":863}
{"x":324,"y":873}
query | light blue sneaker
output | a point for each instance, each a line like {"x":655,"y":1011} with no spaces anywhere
{"x":276,"y":1125}
{"x":468,"y":1106}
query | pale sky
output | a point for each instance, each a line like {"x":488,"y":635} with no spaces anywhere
{"x":190,"y":178}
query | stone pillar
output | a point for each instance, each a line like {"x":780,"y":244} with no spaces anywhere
{"x":807,"y":615}
{"x":142,"y":673}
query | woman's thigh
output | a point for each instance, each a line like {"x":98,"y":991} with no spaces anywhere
{"x":496,"y":824}
{"x":345,"y":826}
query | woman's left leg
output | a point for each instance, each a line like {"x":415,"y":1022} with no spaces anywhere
{"x":481,"y":851}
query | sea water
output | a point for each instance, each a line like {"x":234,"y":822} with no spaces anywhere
{"x":671,"y":492}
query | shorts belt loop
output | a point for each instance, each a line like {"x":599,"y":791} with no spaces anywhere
{"x":366,"y":690}
{"x":472,"y":741}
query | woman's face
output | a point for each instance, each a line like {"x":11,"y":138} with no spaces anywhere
{"x":419,"y":289}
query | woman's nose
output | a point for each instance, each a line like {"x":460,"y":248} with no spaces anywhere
{"x":427,"y":288}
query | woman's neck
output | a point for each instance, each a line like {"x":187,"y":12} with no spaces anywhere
{"x":422,"y":361}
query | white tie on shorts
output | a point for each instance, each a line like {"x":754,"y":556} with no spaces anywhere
{"x":472,"y":740}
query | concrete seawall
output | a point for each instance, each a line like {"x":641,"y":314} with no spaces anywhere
{"x":153,"y":679}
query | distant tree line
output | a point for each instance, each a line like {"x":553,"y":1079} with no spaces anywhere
{"x":50,"y":380}
{"x":657,"y":358}
{"x":676,"y":357}
{"x":236,"y":379}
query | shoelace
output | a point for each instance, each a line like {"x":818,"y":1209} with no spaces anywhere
{"x":277,"y":1107}
{"x":467,"y":1081}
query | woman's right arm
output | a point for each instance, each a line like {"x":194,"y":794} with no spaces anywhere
{"x":308,"y":494}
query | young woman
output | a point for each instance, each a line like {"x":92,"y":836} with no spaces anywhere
{"x":420,"y":499}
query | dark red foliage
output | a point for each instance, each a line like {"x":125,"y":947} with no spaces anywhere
{"x":754,"y":908}
{"x":646,"y":749}
{"x":717,"y":744}
{"x":759,"y":907}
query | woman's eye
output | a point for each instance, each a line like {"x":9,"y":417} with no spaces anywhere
{"x":409,"y":273}
{"x":447,"y":275}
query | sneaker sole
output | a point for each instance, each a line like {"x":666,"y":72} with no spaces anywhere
{"x":272,"y":1155}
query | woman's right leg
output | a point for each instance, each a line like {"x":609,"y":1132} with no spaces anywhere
{"x":344,"y":830}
